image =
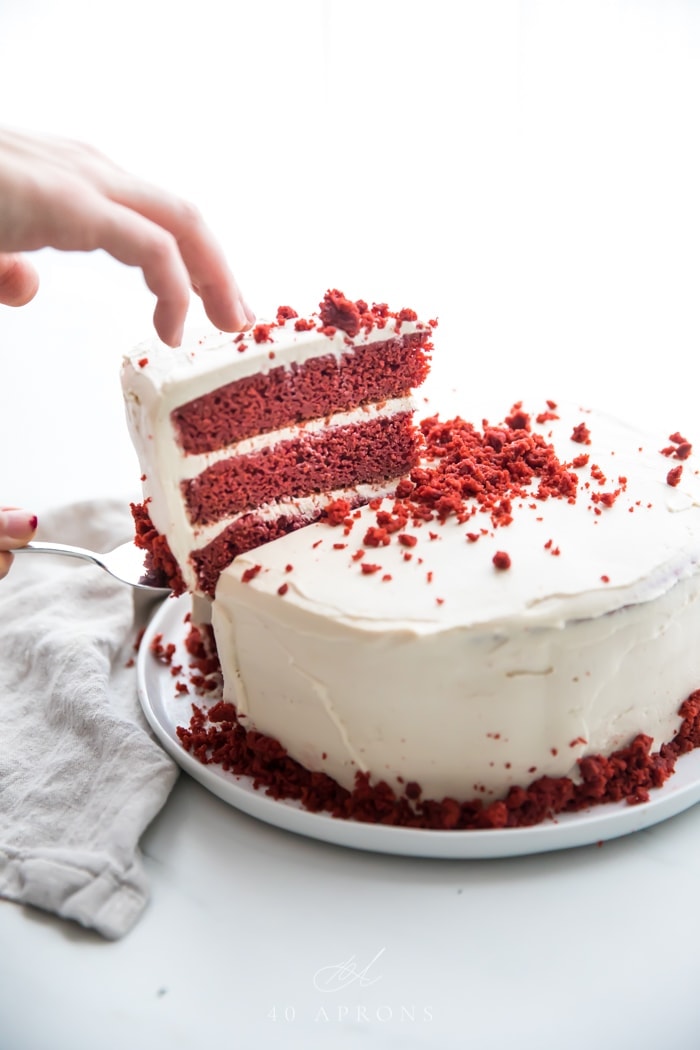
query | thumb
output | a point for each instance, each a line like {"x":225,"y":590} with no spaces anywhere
{"x":17,"y":527}
{"x":19,"y":280}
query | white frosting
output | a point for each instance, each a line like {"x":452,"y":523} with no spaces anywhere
{"x":514,"y":673}
{"x":156,"y":379}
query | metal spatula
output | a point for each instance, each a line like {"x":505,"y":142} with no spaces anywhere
{"x":124,"y":563}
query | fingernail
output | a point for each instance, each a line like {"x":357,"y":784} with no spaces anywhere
{"x":249,"y":314}
{"x":16,"y":524}
{"x":173,"y":339}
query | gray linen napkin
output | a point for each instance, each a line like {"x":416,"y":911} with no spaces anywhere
{"x":81,"y":776}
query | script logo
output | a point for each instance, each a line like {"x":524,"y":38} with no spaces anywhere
{"x":338,"y":976}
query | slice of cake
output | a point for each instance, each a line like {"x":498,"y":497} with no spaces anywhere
{"x":244,"y":438}
{"x":511,"y":635}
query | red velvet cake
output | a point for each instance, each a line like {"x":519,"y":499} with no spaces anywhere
{"x":245,"y":438}
{"x":473,"y":629}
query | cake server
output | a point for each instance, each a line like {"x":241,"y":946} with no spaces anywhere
{"x":124,"y":563}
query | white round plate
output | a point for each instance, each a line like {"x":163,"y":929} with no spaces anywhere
{"x":166,"y":710}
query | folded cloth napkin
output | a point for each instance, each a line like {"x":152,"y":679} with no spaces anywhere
{"x":81,"y":776}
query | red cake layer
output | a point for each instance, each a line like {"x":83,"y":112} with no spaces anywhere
{"x":628,"y":774}
{"x":338,"y":457}
{"x":283,"y":397}
{"x":244,"y":534}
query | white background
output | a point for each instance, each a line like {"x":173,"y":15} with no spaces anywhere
{"x":526,"y":171}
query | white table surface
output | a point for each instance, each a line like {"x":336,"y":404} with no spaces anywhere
{"x":526,"y":171}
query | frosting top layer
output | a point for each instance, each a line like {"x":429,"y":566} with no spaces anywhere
{"x":622,"y":530}
{"x":165,"y":377}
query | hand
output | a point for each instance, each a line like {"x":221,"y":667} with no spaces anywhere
{"x":16,"y":529}
{"x":62,"y":194}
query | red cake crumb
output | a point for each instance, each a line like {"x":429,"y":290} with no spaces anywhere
{"x":336,"y":511}
{"x":501,"y":560}
{"x":163,"y":653}
{"x":376,"y":537}
{"x":464,"y":471}
{"x":518,"y":420}
{"x":338,"y":312}
{"x":581,"y":434}
{"x":285,"y":313}
{"x":674,"y":476}
{"x":606,"y":499}
{"x":261,"y":333}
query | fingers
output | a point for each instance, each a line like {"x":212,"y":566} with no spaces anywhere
{"x":62,"y":194}
{"x":16,"y":529}
{"x":88,"y":221}
{"x":19,"y":280}
{"x":171,"y":265}
{"x":208,"y":270}
{"x":170,"y":268}
{"x":136,"y":241}
{"x":213,"y":281}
